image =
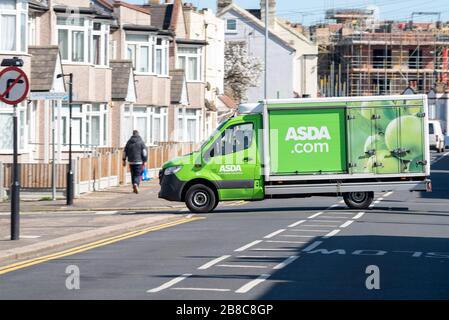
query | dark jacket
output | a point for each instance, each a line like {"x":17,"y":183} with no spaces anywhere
{"x":135,"y":151}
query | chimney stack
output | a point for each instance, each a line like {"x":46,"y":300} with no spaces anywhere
{"x":154,"y":2}
{"x":221,"y":4}
{"x":271,"y":12}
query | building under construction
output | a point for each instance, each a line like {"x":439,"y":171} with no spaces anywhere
{"x":360,"y":55}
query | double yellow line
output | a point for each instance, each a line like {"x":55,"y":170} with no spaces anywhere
{"x":93,"y":245}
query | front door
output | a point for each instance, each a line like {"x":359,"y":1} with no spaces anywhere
{"x":232,"y":161}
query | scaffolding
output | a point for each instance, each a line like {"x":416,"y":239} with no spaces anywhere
{"x":380,"y":63}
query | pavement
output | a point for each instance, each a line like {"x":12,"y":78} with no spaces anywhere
{"x":311,"y":248}
{"x":112,"y":199}
{"x":48,"y":226}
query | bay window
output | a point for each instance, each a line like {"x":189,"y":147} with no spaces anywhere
{"x":13,"y":25}
{"x":89,"y":125}
{"x":83,"y":41}
{"x":148,"y":53}
{"x":6,"y":127}
{"x":189,"y":59}
{"x":151,"y":122}
{"x":188,"y":125}
{"x":138,"y":51}
{"x":73,"y":38}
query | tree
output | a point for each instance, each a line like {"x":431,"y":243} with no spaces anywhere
{"x":241,"y":70}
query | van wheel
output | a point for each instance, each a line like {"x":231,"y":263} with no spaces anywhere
{"x":201,"y":199}
{"x":358,"y":200}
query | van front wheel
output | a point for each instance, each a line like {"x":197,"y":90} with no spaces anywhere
{"x":358,"y":200}
{"x":201,"y":199}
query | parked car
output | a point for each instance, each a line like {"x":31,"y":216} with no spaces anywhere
{"x":436,"y":136}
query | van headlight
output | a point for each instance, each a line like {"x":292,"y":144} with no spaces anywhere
{"x":172,"y":170}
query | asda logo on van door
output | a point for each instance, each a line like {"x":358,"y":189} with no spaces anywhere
{"x":310,"y":139}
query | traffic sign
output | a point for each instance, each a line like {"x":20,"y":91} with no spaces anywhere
{"x":14,"y":85}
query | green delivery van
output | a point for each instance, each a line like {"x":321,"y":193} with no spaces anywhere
{"x":350,"y":147}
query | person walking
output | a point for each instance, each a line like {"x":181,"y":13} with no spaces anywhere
{"x":136,"y":153}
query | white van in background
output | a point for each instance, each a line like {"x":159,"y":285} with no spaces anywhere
{"x":436,"y":136}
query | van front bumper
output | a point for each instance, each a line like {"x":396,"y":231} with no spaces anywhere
{"x":171,"y":187}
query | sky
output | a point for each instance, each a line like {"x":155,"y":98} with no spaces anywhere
{"x":311,"y":12}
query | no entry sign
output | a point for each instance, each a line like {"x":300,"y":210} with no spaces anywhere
{"x":14,"y":85}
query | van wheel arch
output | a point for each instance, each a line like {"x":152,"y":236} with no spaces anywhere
{"x":199,"y":181}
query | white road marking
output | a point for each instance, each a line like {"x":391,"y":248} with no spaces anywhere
{"x":331,"y":234}
{"x":106,"y":212}
{"x":296,"y":224}
{"x":213,"y":262}
{"x":347,"y":224}
{"x":252,"y":284}
{"x":342,"y":213}
{"x":285,"y":263}
{"x":201,"y":289}
{"x":440,"y":158}
{"x":170,"y":283}
{"x":312,"y":246}
{"x":24,"y":237}
{"x":378,"y":200}
{"x":247,"y":246}
{"x":271,"y":235}
{"x":315,"y":215}
{"x":359,"y":215}
{"x":388,"y":194}
{"x":241,"y":266}
{"x":281,"y":241}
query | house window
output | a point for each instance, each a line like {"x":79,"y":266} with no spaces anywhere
{"x":188,"y":125}
{"x":73,"y":38}
{"x":100,"y":44}
{"x":6,"y":127}
{"x":161,"y":57}
{"x":90,"y":125}
{"x":231,"y":25}
{"x":138,"y":51}
{"x":189,"y":59}
{"x":151,"y":122}
{"x":13,"y":25}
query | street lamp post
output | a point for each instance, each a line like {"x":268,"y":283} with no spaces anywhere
{"x":70,"y":177}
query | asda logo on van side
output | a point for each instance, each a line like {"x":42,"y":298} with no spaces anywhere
{"x":312,"y":139}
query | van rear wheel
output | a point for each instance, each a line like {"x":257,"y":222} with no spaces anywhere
{"x":358,"y":200}
{"x":201,"y":199}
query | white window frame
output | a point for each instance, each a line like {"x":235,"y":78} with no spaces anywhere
{"x":198,"y":55}
{"x":151,"y":113}
{"x":20,"y":12}
{"x":138,"y":44}
{"x":104,"y":44}
{"x":86,"y":28}
{"x":181,"y":133}
{"x":85,"y":115}
{"x":23,"y":126}
{"x":231,"y":30}
{"x":164,"y":47}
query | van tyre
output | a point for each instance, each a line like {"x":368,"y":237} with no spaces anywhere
{"x":201,"y":199}
{"x":358,"y":200}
